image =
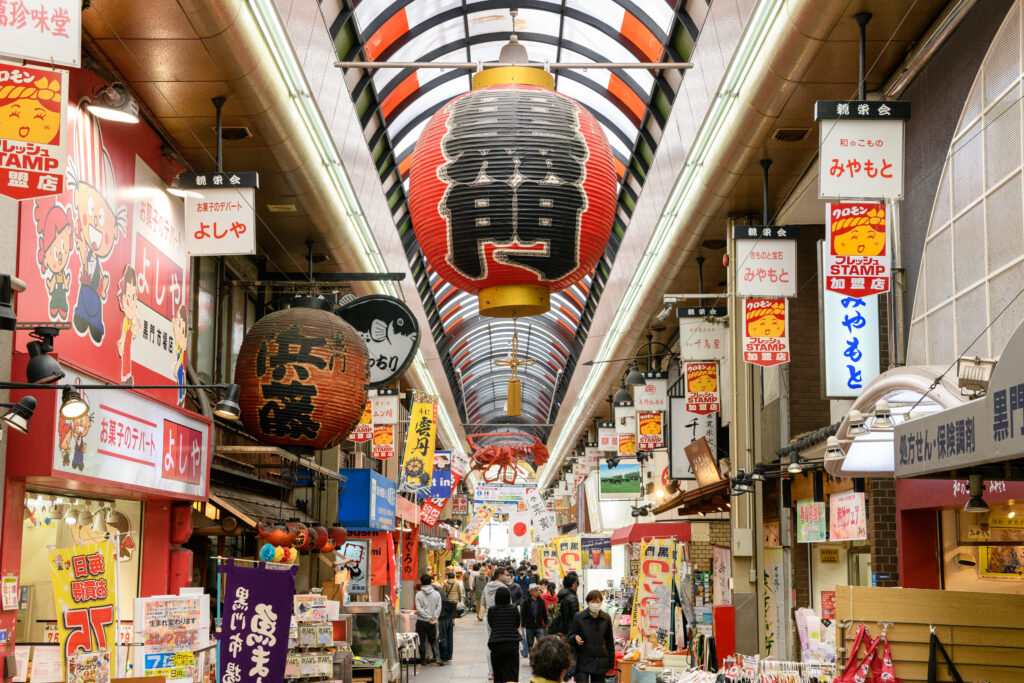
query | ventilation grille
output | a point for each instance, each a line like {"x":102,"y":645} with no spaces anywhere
{"x":790,"y":134}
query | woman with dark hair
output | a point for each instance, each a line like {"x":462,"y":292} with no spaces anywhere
{"x":550,"y":658}
{"x":591,"y":634}
{"x":503,"y":620}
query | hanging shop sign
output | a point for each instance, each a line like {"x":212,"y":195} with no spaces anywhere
{"x":686,"y":427}
{"x":172,"y":632}
{"x":542,"y":520}
{"x":33,"y":131}
{"x":570,"y":558}
{"x":411,"y":555}
{"x":701,"y":387}
{"x":534,"y":227}
{"x":302,"y":373}
{"x":652,"y":396}
{"x":430,"y":511}
{"x":856,"y":259}
{"x":766,"y":260}
{"x":441,"y":478}
{"x":48,"y":32}
{"x":106,"y":253}
{"x":460,"y":505}
{"x":703,"y":333}
{"x":484,"y":512}
{"x":220,"y":212}
{"x":597,"y":552}
{"x":254,"y":628}
{"x":703,"y":462}
{"x":627,"y":444}
{"x":418,"y":461}
{"x":625,"y":417}
{"x":765,"y":331}
{"x":811,"y":522}
{"x":591,"y":455}
{"x":652,"y":431}
{"x":363,"y":431}
{"x":847,"y":517}
{"x":850,"y":343}
{"x":652,"y":603}
{"x":391,"y":333}
{"x":84,"y":595}
{"x":368,"y":500}
{"x":860,"y":149}
{"x":519,"y":535}
{"x":607,"y":437}
{"x":383,"y":442}
{"x":384,"y":407}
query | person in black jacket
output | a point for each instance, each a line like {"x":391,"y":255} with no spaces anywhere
{"x":534,"y":614}
{"x":591,"y":635}
{"x":569,"y":604}
{"x":503,"y":643}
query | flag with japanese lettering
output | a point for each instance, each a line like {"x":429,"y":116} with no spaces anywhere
{"x":418,"y":461}
{"x":765,"y":331}
{"x":702,"y":388}
{"x":84,"y":597}
{"x":254,"y":631}
{"x":363,"y":431}
{"x":33,"y":130}
{"x":857,"y":257}
{"x":550,"y":567}
{"x":545,"y":527}
{"x":652,"y":603}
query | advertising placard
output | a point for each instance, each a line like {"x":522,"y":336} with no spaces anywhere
{"x":254,"y":629}
{"x":357,"y":554}
{"x":627,"y":444}
{"x":856,"y":255}
{"x":418,"y":461}
{"x":765,"y":331}
{"x":607,"y":437}
{"x":652,"y":429}
{"x":390,"y":331}
{"x":861,"y":149}
{"x":621,"y":482}
{"x":383,"y":442}
{"x":49,"y":32}
{"x":363,"y":431}
{"x":652,"y":604}
{"x":652,"y":396}
{"x":766,"y":260}
{"x":384,"y":409}
{"x":703,"y":462}
{"x":597,"y":552}
{"x":702,"y":387}
{"x":85,"y":599}
{"x":441,"y":478}
{"x":550,"y":567}
{"x":570,"y":558}
{"x":703,"y":334}
{"x":850,"y":343}
{"x":848,"y":517}
{"x":811,"y":522}
{"x":220,"y":221}
{"x":33,"y":130}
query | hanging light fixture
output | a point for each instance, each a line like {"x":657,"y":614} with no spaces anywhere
{"x":758,"y":473}
{"x":856,"y":424}
{"x":635,"y":378}
{"x":883,"y":417}
{"x":42,"y":368}
{"x":72,"y":404}
{"x":794,"y":466}
{"x":99,"y":521}
{"x":975,"y":488}
{"x":227,"y":407}
{"x":114,"y":103}
{"x":19,"y":414}
{"x":622,"y":395}
{"x":833,"y":451}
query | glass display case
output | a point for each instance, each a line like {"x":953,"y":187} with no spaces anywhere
{"x":373,"y":635}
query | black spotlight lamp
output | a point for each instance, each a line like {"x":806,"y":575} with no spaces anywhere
{"x":227,"y":407}
{"x":8,"y":321}
{"x":635,"y":378}
{"x":622,"y":395}
{"x":72,"y":404}
{"x":758,"y":473}
{"x":42,"y":368}
{"x":19,"y":414}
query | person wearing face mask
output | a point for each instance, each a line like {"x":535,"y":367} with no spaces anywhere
{"x":590,"y":634}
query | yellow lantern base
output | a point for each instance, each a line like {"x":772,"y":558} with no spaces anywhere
{"x":514,"y":301}
{"x":502,"y":75}
{"x":514,"y":398}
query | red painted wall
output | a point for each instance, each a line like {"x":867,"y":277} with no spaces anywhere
{"x":917,"y":536}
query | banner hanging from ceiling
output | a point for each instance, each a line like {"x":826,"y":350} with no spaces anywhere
{"x":484,"y":512}
{"x":860,"y":148}
{"x":850,"y":343}
{"x":545,"y":527}
{"x":701,"y":387}
{"x":766,"y":260}
{"x":856,"y":261}
{"x":607,"y":437}
{"x":765,"y":331}
{"x":703,"y":334}
{"x":652,"y":604}
{"x":651,"y":428}
{"x":652,"y":395}
{"x":418,"y":460}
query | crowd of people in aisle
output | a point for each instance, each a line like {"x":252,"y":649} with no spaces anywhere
{"x":527,"y":617}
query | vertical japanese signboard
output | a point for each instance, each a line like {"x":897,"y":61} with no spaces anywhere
{"x":570,"y":557}
{"x":544,"y":526}
{"x":765,"y":331}
{"x":652,"y":603}
{"x":33,"y":130}
{"x":857,"y":257}
{"x":607,"y":437}
{"x":652,"y":395}
{"x":811,"y":522}
{"x":418,"y":461}
{"x":860,"y":149}
{"x":363,"y":431}
{"x":49,"y":32}
{"x":766,"y":260}
{"x":651,"y":431}
{"x":220,"y":213}
{"x":850,"y":343}
{"x":254,"y":630}
{"x":701,"y":387}
{"x":703,"y":334}
{"x":84,"y":598}
{"x":383,"y":442}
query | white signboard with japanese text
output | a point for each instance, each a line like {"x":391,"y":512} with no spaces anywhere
{"x":48,"y":31}
{"x":850,"y":343}
{"x":703,"y":334}
{"x":607,"y":437}
{"x":33,"y":129}
{"x":856,"y":259}
{"x":128,"y":439}
{"x":685,"y":427}
{"x":861,"y":149}
{"x":766,"y":260}
{"x":221,"y":221}
{"x":592,"y":457}
{"x":384,"y":409}
{"x":544,"y":526}
{"x":652,"y":396}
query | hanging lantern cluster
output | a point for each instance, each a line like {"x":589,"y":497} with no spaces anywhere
{"x":289,"y":540}
{"x":303,"y":373}
{"x":512,"y":190}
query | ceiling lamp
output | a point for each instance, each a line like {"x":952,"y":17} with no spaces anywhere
{"x":114,"y":103}
{"x":42,"y":368}
{"x":975,"y":488}
{"x":794,"y":467}
{"x":833,"y":451}
{"x":856,"y":426}
{"x":556,"y":190}
{"x":758,"y":473}
{"x":72,"y":404}
{"x":227,"y":407}
{"x":19,"y":414}
{"x":622,"y":395}
{"x":883,"y":417}
{"x":635,"y":378}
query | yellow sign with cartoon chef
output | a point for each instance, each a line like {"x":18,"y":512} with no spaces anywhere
{"x":702,"y":388}
{"x":765,"y":334}
{"x":33,"y":131}
{"x":857,"y":261}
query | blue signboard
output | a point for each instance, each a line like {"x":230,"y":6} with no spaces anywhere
{"x":441,"y":484}
{"x":368,"y":501}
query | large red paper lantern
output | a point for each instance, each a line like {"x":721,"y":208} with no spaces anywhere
{"x":303,"y":374}
{"x":512,"y":190}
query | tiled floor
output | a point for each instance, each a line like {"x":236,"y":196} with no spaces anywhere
{"x":470,"y":657}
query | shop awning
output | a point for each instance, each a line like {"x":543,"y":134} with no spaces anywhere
{"x":710,"y":498}
{"x":635,"y":533}
{"x":251,"y":508}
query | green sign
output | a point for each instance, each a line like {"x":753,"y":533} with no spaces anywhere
{"x":811,"y":522}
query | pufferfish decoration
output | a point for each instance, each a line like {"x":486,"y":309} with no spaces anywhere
{"x":391,"y":333}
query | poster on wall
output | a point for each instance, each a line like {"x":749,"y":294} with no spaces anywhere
{"x":811,"y":522}
{"x":597,"y":552}
{"x":109,"y":255}
{"x":621,"y":482}
{"x":685,"y":428}
{"x":418,"y":460}
{"x":1003,"y":561}
{"x":765,"y":331}
{"x":856,"y":259}
{"x":356,"y":555}
{"x":847,"y":517}
{"x":33,"y":149}
{"x":84,"y":596}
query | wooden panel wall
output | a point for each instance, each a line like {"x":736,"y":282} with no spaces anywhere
{"x":982,"y":632}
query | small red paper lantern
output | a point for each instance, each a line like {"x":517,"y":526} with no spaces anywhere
{"x":320,"y":538}
{"x":512,"y":190}
{"x":303,"y":374}
{"x":338,"y":535}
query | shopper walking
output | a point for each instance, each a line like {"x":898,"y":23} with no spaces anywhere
{"x":548,"y":594}
{"x":550,"y":659}
{"x":523,"y":581}
{"x":428,"y":611}
{"x":503,"y":621}
{"x":452,"y":590}
{"x":467,"y":587}
{"x":479,"y":583}
{"x":591,"y":635}
{"x":568,"y":603}
{"x":534,"y":616}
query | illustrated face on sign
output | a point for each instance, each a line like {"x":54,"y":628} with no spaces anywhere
{"x":128,"y":298}
{"x":703,"y":381}
{"x":31,"y":113}
{"x":766,"y":322}
{"x":860,"y":235}
{"x":97,"y":222}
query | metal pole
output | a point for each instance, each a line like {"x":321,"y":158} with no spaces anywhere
{"x":218,"y":102}
{"x":700,"y":275}
{"x":765,"y":164}
{"x":862,"y":19}
{"x":475,"y":65}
